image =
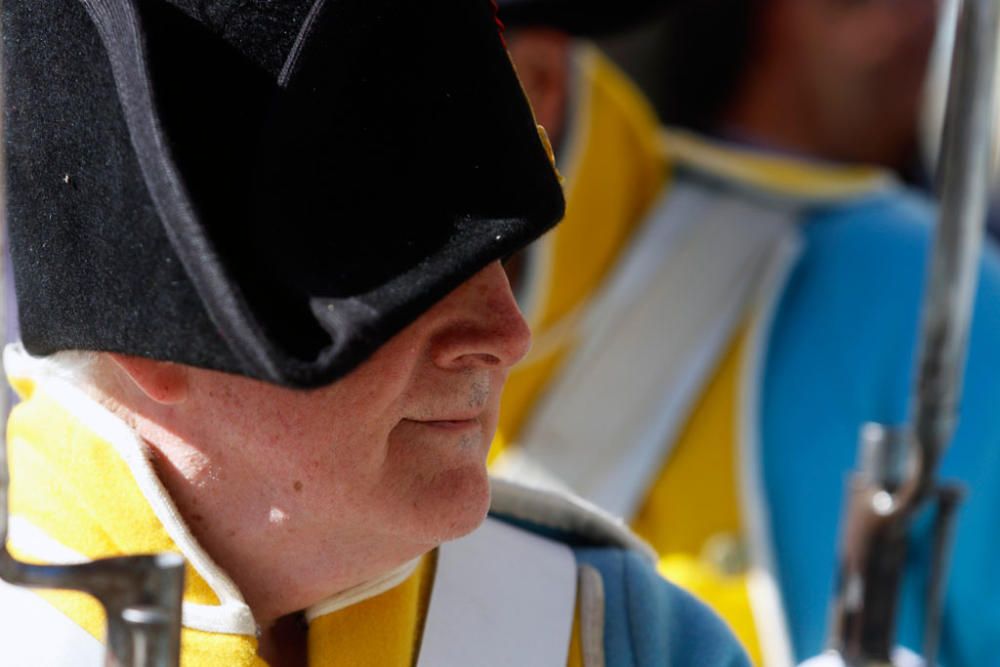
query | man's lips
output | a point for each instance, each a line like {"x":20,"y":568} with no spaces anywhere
{"x":449,"y":424}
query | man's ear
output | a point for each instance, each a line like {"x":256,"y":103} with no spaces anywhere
{"x":162,"y":381}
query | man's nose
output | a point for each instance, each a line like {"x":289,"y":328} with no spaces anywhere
{"x":481,"y":325}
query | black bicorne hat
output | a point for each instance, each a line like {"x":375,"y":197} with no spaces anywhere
{"x":266,"y":187}
{"x":584,"y":18}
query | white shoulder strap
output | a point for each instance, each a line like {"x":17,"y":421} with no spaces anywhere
{"x":650,"y":342}
{"x":33,"y":633}
{"x":501,"y":597}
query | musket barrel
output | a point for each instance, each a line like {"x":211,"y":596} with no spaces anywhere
{"x":964,"y":181}
{"x":902,"y":463}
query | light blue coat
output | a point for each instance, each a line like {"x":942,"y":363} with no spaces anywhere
{"x":648,"y":622}
{"x":841,"y":353}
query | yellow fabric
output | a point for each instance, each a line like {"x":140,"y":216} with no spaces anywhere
{"x":60,"y":464}
{"x":615,"y":172}
{"x":73,"y":485}
{"x":619,"y":162}
{"x":695,"y":499}
{"x":198,"y":649}
{"x":617,"y":168}
{"x":701,"y":473}
{"x":383,"y":630}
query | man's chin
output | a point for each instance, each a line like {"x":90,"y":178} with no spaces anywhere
{"x":454,"y":503}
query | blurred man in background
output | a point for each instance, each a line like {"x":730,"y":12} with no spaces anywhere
{"x":731,"y":298}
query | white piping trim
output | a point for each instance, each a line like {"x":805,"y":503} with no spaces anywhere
{"x":764,"y":593}
{"x":233,"y":616}
{"x":362,"y":592}
{"x":590,"y":591}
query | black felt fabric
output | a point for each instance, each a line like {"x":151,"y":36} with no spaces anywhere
{"x":584,"y":18}
{"x":266,"y":188}
{"x":262,"y":31}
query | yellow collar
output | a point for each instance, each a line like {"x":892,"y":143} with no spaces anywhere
{"x":614,"y":170}
{"x":800,"y":179}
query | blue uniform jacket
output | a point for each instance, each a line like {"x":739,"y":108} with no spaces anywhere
{"x":841,"y":353}
{"x":648,"y":622}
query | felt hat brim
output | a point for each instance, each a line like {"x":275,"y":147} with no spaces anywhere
{"x":274,"y":196}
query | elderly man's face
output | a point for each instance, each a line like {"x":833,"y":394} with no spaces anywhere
{"x":390,"y":458}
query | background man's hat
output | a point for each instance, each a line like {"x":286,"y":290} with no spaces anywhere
{"x":587,"y":18}
{"x":265,"y":187}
